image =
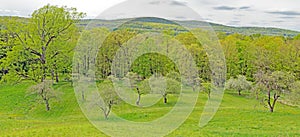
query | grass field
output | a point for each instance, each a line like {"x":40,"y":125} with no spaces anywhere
{"x":21,"y":115}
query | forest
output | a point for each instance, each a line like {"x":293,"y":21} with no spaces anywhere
{"x":55,"y":47}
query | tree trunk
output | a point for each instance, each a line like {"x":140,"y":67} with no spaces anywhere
{"x":165,"y":99}
{"x":269,"y":101}
{"x":139,"y":97}
{"x":138,"y":100}
{"x":271,"y":109}
{"x":82,"y":95}
{"x":239,"y":92}
{"x":43,"y":62}
{"x":47,"y":105}
{"x":56,"y":77}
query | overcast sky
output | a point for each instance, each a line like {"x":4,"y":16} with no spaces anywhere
{"x":263,"y":13}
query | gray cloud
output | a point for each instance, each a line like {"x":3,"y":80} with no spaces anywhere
{"x":177,"y":3}
{"x":279,"y":21}
{"x":288,"y":17}
{"x":180,"y":17}
{"x":224,"y":8}
{"x":244,"y":8}
{"x":288,"y":13}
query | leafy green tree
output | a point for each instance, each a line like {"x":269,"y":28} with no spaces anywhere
{"x":41,"y":40}
{"x":239,"y":84}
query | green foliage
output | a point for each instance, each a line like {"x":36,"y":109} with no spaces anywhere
{"x":42,"y":43}
{"x":293,"y":96}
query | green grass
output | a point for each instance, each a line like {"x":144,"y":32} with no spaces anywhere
{"x":21,"y":115}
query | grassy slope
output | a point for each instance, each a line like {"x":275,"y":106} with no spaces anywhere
{"x":237,"y":116}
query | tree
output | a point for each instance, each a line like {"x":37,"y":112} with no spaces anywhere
{"x":109,"y":98}
{"x":134,"y":79}
{"x":163,"y":86}
{"x":196,"y":83}
{"x":41,"y":40}
{"x":239,"y":84}
{"x":45,"y":91}
{"x":275,"y":84}
{"x":206,"y":88}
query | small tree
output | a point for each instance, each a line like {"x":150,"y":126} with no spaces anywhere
{"x":239,"y":84}
{"x":109,"y":98}
{"x":274,"y":83}
{"x":134,"y":79}
{"x":206,"y":87}
{"x":45,"y":91}
{"x":164,"y":86}
{"x":196,"y":83}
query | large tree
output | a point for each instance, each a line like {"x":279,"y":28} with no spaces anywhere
{"x":41,"y":41}
{"x":41,"y":46}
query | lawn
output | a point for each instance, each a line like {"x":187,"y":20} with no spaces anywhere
{"x":22,"y":115}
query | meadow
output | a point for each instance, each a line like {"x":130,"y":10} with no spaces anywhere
{"x":21,"y":115}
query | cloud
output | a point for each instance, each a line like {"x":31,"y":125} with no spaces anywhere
{"x":288,"y":13}
{"x":224,"y":8}
{"x":278,"y":21}
{"x":287,"y":17}
{"x":178,"y":3}
{"x":154,"y":2}
{"x":180,"y":17}
{"x":7,"y":12}
{"x":244,"y":8}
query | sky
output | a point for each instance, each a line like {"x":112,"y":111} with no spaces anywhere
{"x":260,"y":13}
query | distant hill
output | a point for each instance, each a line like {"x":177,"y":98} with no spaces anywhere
{"x":149,"y":23}
{"x":142,"y":24}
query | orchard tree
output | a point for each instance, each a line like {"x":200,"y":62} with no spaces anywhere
{"x":164,"y":86}
{"x":275,"y":84}
{"x":206,"y":88}
{"x":44,"y":90}
{"x":240,"y":83}
{"x":134,"y":79}
{"x":109,"y":98}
